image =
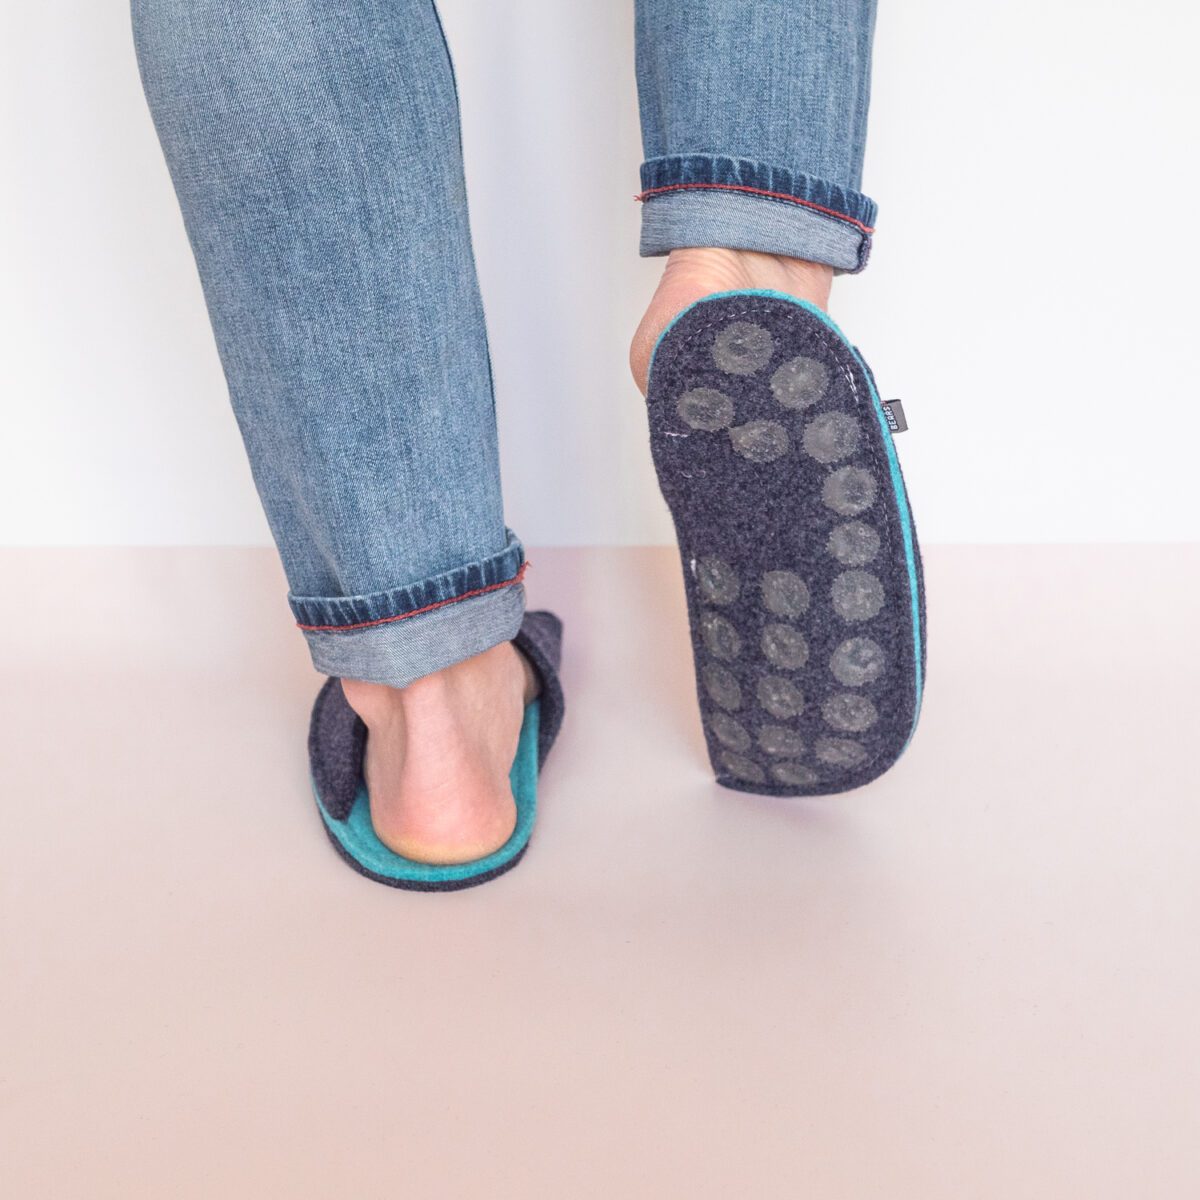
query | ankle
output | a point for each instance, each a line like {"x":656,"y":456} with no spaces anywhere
{"x":455,"y":691}
{"x":380,"y":705}
{"x":694,"y":272}
{"x":722,"y":269}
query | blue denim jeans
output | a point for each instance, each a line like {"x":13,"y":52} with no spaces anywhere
{"x":316,"y":153}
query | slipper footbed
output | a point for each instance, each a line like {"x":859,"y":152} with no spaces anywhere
{"x":337,"y":742}
{"x":357,"y":842}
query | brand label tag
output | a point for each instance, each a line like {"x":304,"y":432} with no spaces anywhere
{"x":893,"y":410}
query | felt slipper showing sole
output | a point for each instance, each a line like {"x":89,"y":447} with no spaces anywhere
{"x":337,"y":739}
{"x":800,"y":560}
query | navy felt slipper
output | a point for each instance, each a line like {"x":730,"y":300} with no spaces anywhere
{"x":337,"y":739}
{"x":803,"y":577}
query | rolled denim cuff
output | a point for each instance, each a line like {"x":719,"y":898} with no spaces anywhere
{"x":712,"y":200}
{"x":396,"y":636}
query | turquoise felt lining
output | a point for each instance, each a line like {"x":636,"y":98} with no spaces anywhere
{"x":893,"y":462}
{"x":356,"y":835}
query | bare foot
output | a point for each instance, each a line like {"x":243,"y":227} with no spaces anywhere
{"x":439,"y":752}
{"x":691,"y":274}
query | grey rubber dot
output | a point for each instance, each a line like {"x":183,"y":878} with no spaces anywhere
{"x":780,"y":697}
{"x":785,"y":646}
{"x":831,"y":437}
{"x":840,"y":752}
{"x":742,"y":348}
{"x":723,"y":687}
{"x":717,"y":580}
{"x":854,"y":543}
{"x":849,"y":491}
{"x":857,"y":661}
{"x":849,"y":712}
{"x":779,"y":739}
{"x":794,"y":773}
{"x":784,"y":593}
{"x":722,"y":640}
{"x":857,"y":595}
{"x":729,"y":732}
{"x":742,"y":767}
{"x":705,"y":408}
{"x":800,"y":382}
{"x":760,"y":441}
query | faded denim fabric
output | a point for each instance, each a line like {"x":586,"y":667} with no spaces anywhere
{"x":315,"y":150}
{"x":754,"y":124}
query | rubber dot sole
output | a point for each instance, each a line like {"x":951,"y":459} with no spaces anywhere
{"x":802,"y":572}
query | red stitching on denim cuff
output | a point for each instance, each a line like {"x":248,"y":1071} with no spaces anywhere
{"x":737,"y":187}
{"x":416,"y":612}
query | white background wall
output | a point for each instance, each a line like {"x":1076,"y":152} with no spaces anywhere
{"x":1031,"y":293}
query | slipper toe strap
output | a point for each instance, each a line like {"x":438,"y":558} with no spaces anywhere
{"x":540,"y":640}
{"x":337,"y":738}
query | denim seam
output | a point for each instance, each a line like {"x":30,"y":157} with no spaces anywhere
{"x":766,"y":195}
{"x":730,"y":170}
{"x":416,"y":612}
{"x":337,"y":612}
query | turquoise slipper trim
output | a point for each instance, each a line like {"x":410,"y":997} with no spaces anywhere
{"x":893,"y":463}
{"x":356,"y":835}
